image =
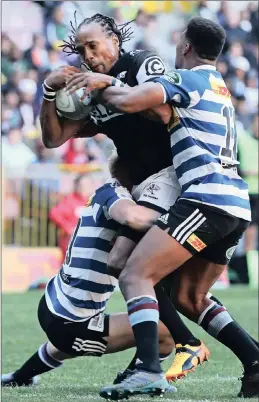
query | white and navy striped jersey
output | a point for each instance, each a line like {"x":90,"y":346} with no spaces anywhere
{"x":83,"y":286}
{"x":204,"y":139}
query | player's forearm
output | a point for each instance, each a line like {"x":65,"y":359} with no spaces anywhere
{"x":51,"y":126}
{"x":133,"y":100}
{"x":140,"y":218}
{"x":56,"y":131}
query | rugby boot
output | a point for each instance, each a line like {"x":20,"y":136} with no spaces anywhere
{"x":122,"y":375}
{"x":186,"y":359}
{"x":9,"y":380}
{"x":139,"y":383}
{"x":250,"y":383}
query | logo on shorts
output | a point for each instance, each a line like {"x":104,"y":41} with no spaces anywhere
{"x":230,"y":252}
{"x":91,"y":348}
{"x":164,"y":218}
{"x":152,"y":188}
{"x":196,"y":243}
{"x":97,"y":323}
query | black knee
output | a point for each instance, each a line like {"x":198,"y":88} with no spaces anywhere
{"x":190,"y":304}
{"x":127,"y":279}
{"x":116,"y":263}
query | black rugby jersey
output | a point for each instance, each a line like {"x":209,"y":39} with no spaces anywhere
{"x":143,"y":145}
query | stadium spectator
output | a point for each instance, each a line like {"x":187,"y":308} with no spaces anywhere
{"x":66,"y":213}
{"x":56,"y":29}
{"x":16,"y":156}
{"x":78,"y":152}
{"x":37,"y":55}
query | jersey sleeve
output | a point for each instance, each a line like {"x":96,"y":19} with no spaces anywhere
{"x":117,"y":194}
{"x":145,"y":65}
{"x":181,"y":88}
{"x":107,"y":196}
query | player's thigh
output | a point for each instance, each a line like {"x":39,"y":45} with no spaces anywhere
{"x":154,"y":257}
{"x":121,"y":336}
{"x":86,"y":338}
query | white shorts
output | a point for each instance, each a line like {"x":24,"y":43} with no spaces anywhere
{"x":159,"y":191}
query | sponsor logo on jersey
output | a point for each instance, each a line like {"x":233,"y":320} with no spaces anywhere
{"x":134,"y":52}
{"x":102,"y":113}
{"x":174,"y":121}
{"x":230,"y":252}
{"x":115,"y":183}
{"x":218,"y":87}
{"x":90,"y":200}
{"x":65,"y":277}
{"x":121,"y":75}
{"x":173,"y":77}
{"x":152,"y":188}
{"x":154,"y":66}
{"x":195,"y":242}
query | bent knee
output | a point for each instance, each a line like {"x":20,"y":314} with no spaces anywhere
{"x":116,"y":263}
{"x":127,"y":278}
{"x":191,"y":304}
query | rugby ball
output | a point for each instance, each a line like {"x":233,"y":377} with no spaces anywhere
{"x":71,"y":107}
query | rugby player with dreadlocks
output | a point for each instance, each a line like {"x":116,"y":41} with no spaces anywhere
{"x":99,"y":42}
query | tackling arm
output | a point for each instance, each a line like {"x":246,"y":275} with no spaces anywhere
{"x":133,"y":100}
{"x":137,"y":217}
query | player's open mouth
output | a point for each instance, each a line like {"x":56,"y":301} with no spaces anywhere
{"x":97,"y":67}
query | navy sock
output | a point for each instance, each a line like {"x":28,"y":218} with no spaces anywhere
{"x":144,"y":315}
{"x":216,"y":320}
{"x":39,"y":363}
{"x":172,"y":320}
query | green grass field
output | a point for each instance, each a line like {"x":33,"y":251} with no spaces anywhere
{"x":81,"y":379}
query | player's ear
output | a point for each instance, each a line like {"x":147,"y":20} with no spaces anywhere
{"x":115,"y":40}
{"x":187,"y":48}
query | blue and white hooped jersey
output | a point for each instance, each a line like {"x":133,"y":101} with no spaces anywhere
{"x":83,"y":286}
{"x":204,"y":139}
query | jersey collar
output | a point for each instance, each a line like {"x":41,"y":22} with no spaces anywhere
{"x":204,"y":67}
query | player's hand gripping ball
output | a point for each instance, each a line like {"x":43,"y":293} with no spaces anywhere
{"x":70,"y":106}
{"x":88,"y":81}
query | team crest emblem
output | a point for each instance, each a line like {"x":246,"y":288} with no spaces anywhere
{"x":152,"y":188}
{"x":154,"y":66}
{"x":230,"y":252}
{"x":173,"y":77}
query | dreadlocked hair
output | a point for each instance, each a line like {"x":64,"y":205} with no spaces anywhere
{"x":122,"y":31}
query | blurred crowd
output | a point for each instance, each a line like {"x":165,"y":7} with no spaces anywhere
{"x":31,"y":50}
